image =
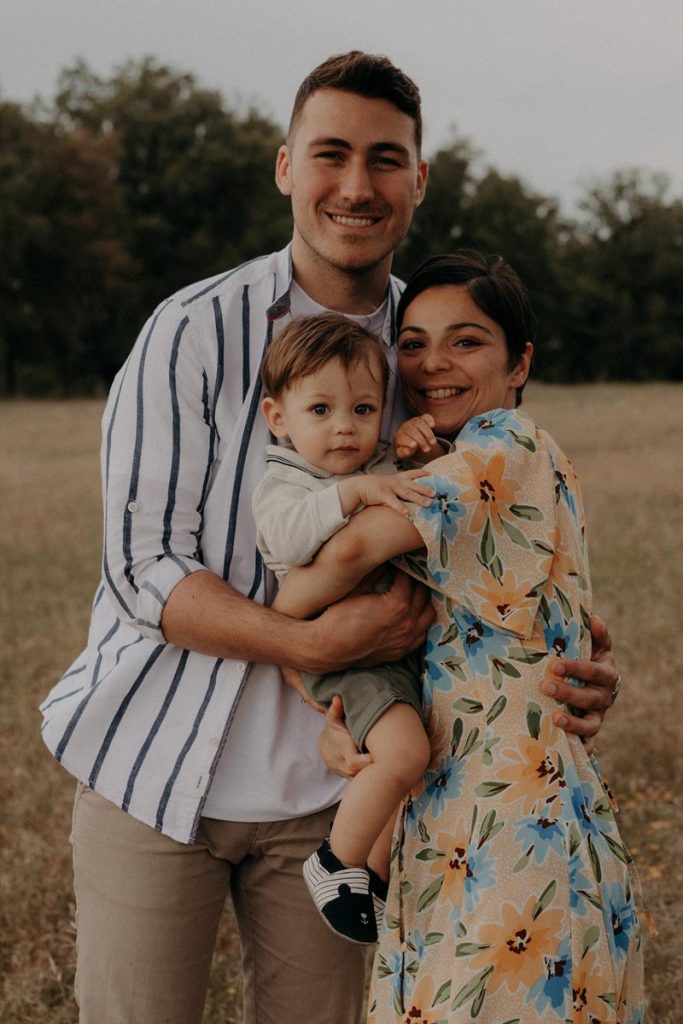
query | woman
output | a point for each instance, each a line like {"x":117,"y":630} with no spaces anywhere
{"x":510,"y":898}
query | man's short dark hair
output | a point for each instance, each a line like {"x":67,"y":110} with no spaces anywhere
{"x":365,"y":74}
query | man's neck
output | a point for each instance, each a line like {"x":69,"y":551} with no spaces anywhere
{"x":358,"y":293}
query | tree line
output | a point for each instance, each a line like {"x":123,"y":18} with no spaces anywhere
{"x":126,"y":188}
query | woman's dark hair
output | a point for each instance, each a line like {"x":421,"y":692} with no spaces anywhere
{"x":491,"y":283}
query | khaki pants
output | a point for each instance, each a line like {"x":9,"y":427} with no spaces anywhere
{"x":148,"y":910}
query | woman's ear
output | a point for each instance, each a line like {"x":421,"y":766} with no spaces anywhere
{"x":520,"y":370}
{"x":274,"y":416}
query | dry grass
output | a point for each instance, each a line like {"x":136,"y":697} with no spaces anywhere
{"x":624,"y":441}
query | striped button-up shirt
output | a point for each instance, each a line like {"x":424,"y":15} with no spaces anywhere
{"x":139,"y":720}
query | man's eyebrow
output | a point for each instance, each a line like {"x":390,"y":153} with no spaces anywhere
{"x":375,"y":147}
{"x":451,"y":327}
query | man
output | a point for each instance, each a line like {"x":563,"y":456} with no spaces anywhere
{"x":199,"y":769}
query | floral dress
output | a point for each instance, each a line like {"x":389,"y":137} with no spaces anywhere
{"x":511,"y":897}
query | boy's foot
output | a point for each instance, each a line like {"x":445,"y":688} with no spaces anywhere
{"x":341,"y":895}
{"x":378,"y":890}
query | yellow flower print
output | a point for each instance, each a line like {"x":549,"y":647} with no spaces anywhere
{"x":532,"y":775}
{"x":518,"y":944}
{"x":486,"y":489}
{"x":453,"y":866}
{"x":588,"y":983}
{"x":505,"y":601}
{"x":419,"y":1008}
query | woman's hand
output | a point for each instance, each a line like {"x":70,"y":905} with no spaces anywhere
{"x":337,"y":749}
{"x":601,"y":678}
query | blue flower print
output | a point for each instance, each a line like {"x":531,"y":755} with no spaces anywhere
{"x":620,"y":918}
{"x":493,"y":425}
{"x":436,"y":675}
{"x":480,"y":642}
{"x":480,"y":875}
{"x":543,"y":834}
{"x":445,"y":509}
{"x":443,"y":784}
{"x":391,"y":967}
{"x":578,"y":881}
{"x":582,"y":797}
{"x":553,"y":988}
{"x":561,"y":489}
{"x":562,"y":638}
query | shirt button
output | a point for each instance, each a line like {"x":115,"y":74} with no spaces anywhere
{"x":132,"y":506}
{"x":242,"y":666}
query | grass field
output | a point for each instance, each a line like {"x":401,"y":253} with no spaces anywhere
{"x":625,"y":442}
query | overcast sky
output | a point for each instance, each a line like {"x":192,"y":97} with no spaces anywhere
{"x":559,"y":92}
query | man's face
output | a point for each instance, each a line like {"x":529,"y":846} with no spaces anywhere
{"x":354,"y":176}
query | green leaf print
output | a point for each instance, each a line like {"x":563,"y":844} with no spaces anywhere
{"x":473,"y":985}
{"x":515,"y":534}
{"x":443,"y":551}
{"x":431,"y":938}
{"x":443,"y":993}
{"x":545,"y":899}
{"x":496,"y":709}
{"x":487,"y":549}
{"x":470,"y":948}
{"x":496,"y":675}
{"x":391,"y":921}
{"x":422,"y":829}
{"x":507,"y":668}
{"x":544,"y":608}
{"x":564,"y":603}
{"x":574,"y":838}
{"x":469,"y":706}
{"x":595,"y":860}
{"x":592,"y":897}
{"x":491,"y":788}
{"x":523,"y":861}
{"x":487,"y":827}
{"x":478,"y":1001}
{"x":430,"y":893}
{"x":527,"y":512}
{"x":453,"y":665}
{"x":590,"y":937}
{"x":617,"y":849}
{"x":429,"y":854}
{"x":458,"y":727}
{"x":450,"y":635}
{"x":383,"y":969}
{"x":496,"y":568}
{"x":527,"y":657}
{"x":533,"y":720}
{"x":541,"y":548}
{"x":471,"y":742}
{"x":610,"y":998}
{"x":525,"y":441}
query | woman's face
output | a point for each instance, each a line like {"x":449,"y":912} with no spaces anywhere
{"x":453,"y":359}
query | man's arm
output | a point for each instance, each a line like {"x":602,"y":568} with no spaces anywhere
{"x":204,"y":613}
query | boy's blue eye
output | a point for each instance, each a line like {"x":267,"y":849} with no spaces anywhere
{"x":319,"y":410}
{"x":364,"y":409}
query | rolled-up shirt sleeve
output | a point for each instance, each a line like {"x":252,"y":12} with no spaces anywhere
{"x":157,"y":449}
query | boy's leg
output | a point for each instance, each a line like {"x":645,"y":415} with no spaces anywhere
{"x":148,"y":909}
{"x":372,"y":797}
{"x":295,"y":968}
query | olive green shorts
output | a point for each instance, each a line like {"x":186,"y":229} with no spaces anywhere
{"x":368,"y":692}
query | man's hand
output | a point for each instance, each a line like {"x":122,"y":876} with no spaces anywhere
{"x":600,"y":676}
{"x":368,"y":629}
{"x":337,"y":749}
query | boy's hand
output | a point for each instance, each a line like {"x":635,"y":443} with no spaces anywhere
{"x":416,"y":435}
{"x":390,"y":489}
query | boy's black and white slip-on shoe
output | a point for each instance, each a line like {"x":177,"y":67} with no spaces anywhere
{"x":341,"y":895}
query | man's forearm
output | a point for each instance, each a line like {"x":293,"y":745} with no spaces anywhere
{"x":205,"y":614}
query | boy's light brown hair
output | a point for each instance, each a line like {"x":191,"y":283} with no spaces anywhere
{"x":309,"y":343}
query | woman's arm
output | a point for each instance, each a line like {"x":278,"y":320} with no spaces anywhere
{"x":371,"y":538}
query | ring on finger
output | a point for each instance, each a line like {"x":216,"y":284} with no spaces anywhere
{"x":614,"y":693}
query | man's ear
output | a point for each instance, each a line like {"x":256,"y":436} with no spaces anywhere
{"x":274,"y":416}
{"x":421,"y":187}
{"x":283,"y":171}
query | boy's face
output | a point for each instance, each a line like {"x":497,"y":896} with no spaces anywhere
{"x":331,"y":417}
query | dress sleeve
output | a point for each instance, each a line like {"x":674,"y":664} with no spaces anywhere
{"x":490,"y":530}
